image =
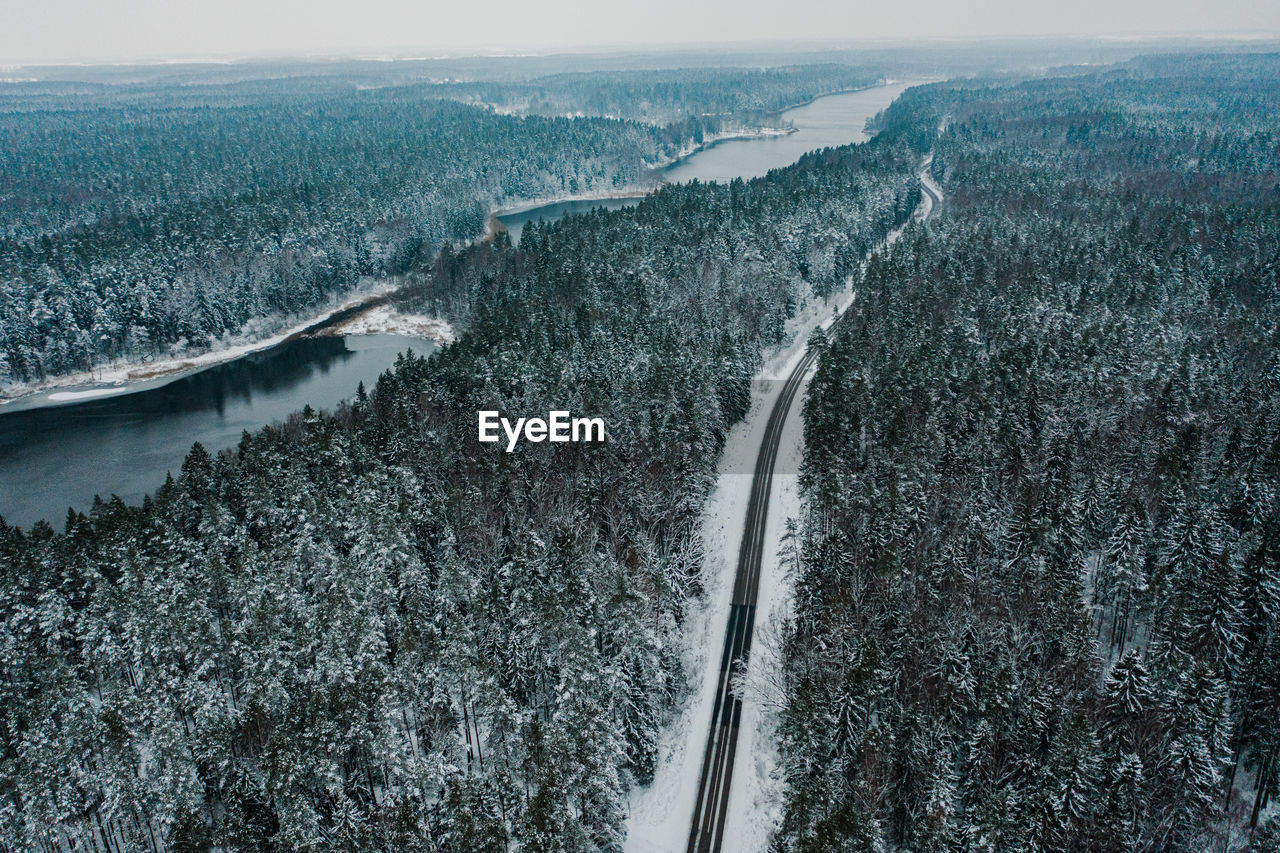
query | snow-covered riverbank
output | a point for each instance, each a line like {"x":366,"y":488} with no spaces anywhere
{"x":127,"y":376}
{"x":386,"y":320}
{"x":714,"y":139}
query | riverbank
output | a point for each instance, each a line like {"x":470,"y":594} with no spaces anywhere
{"x":384,"y":319}
{"x":880,"y":84}
{"x":715,"y":139}
{"x":494,"y":223}
{"x":357,"y":311}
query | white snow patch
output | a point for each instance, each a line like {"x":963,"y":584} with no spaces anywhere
{"x":91,"y":394}
{"x":386,"y":320}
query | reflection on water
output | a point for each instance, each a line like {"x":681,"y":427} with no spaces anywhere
{"x":827,"y":122}
{"x":60,"y":456}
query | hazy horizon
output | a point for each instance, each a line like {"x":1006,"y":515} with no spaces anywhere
{"x":123,"y":31}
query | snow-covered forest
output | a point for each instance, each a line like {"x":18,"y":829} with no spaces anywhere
{"x":139,"y":218}
{"x":1035,"y":587}
{"x":366,"y":630}
{"x":1037,"y":581}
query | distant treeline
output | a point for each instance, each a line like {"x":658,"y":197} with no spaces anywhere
{"x":670,"y":96}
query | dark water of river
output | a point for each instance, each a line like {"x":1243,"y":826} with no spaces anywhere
{"x":60,"y":456}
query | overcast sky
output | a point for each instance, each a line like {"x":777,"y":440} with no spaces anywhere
{"x":87,"y":30}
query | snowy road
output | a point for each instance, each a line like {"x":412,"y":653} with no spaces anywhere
{"x":689,"y":805}
{"x":711,"y":808}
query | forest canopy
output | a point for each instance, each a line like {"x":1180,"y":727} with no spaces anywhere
{"x":365,"y":630}
{"x":1035,"y":587}
{"x":1037,"y":581}
{"x":143,"y":218}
